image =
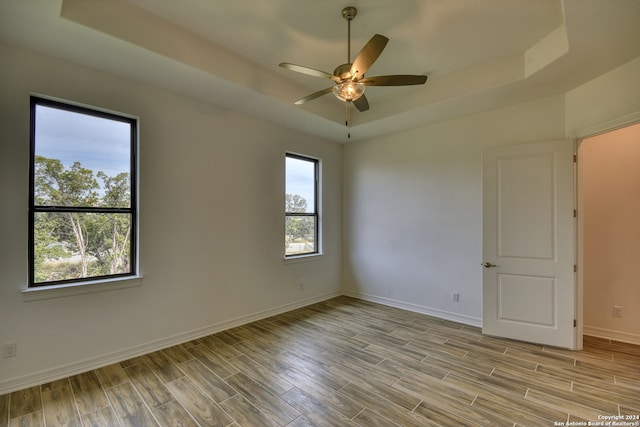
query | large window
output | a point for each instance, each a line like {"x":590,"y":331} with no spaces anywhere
{"x":82,"y":205}
{"x":301,"y":206}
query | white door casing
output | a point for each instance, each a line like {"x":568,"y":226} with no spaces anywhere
{"x":528,"y":243}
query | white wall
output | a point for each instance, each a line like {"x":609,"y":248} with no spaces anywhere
{"x":412,"y":200}
{"x":211,"y":225}
{"x":413,"y":208}
{"x":606,"y":102}
{"x":611,"y":242}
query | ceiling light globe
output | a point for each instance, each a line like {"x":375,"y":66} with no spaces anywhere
{"x":348,"y":91}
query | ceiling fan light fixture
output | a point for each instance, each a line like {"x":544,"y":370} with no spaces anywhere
{"x":348,"y":91}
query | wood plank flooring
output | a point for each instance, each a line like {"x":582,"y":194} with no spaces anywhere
{"x":344,"y":362}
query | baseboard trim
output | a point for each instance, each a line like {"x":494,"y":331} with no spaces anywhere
{"x":78,"y":367}
{"x":430,"y":311}
{"x":609,"y":334}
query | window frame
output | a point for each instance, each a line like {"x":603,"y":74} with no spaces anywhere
{"x":132,"y":210}
{"x":317,"y":208}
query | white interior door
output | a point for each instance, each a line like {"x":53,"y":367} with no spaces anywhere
{"x":528,"y":243}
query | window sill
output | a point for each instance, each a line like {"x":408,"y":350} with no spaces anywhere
{"x":67,"y":290}
{"x":303,"y":258}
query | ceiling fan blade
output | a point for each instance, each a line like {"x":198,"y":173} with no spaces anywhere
{"x":368,"y":55}
{"x":314,"y":95}
{"x":361,"y":103}
{"x":307,"y":70}
{"x":394,"y":80}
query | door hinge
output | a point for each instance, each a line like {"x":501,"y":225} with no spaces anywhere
{"x":575,"y":213}
{"x":575,"y":158}
{"x":575,"y":323}
{"x":575,"y":268}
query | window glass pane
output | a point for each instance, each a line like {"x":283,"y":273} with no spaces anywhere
{"x":300,"y":185}
{"x":81,"y":159}
{"x":300,"y":235}
{"x":73,"y":245}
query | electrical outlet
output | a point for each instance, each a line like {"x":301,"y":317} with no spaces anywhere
{"x":455,"y":296}
{"x":301,"y":286}
{"x":9,"y":350}
{"x":617,"y":311}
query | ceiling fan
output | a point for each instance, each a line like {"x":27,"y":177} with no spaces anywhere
{"x":349,"y":78}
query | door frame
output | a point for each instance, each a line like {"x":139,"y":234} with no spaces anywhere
{"x":578,"y":229}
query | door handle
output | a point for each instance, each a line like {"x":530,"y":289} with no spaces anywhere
{"x":488,"y":265}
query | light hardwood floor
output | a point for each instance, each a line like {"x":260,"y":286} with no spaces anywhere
{"x":344,"y":362}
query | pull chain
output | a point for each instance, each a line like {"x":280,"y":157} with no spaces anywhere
{"x":347,"y":119}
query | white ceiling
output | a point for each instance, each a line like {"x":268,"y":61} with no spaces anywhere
{"x":478,"y":54}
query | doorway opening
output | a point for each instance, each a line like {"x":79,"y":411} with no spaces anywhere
{"x":608,"y":177}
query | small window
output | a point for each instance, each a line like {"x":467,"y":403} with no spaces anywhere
{"x":82,"y":204}
{"x":301,"y":206}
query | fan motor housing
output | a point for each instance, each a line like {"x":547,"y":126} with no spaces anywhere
{"x":343,"y":71}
